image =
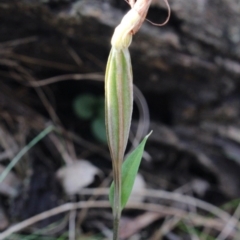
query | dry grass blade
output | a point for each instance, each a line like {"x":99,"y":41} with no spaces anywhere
{"x":76,"y":77}
{"x":135,"y":225}
{"x":192,"y":233}
{"x":196,"y":219}
{"x":231,"y":224}
{"x":72,"y":225}
{"x":16,"y":42}
{"x":165,"y":228}
{"x":177,"y":197}
{"x":63,"y":208}
{"x":43,"y":63}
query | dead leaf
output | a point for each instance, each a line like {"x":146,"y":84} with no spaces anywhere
{"x":76,"y":176}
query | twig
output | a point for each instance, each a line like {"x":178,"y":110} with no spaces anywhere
{"x":75,"y":56}
{"x":84,"y":143}
{"x":42,"y":62}
{"x":41,"y":95}
{"x":231,"y":224}
{"x":72,"y":224}
{"x":19,"y":41}
{"x":173,"y":197}
{"x":105,"y":204}
{"x":76,"y":77}
{"x":165,"y":228}
{"x":191,"y":231}
{"x":93,"y":197}
{"x":61,"y":149}
{"x":170,"y":221}
{"x":135,"y":225}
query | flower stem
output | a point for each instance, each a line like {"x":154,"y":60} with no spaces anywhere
{"x":116,"y":228}
{"x":117,"y":208}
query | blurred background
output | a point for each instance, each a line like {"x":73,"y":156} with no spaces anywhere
{"x":53,"y":55}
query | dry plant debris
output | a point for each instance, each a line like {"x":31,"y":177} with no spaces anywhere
{"x":70,"y":175}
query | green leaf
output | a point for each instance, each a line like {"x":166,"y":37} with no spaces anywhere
{"x":99,"y":129}
{"x":85,"y":106}
{"x":129,"y":171}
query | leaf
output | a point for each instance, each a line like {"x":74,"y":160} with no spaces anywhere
{"x":85,"y":106}
{"x":99,"y":129}
{"x":129,"y":172}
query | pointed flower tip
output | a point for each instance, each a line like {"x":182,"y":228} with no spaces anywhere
{"x":122,"y":36}
{"x":149,"y":133}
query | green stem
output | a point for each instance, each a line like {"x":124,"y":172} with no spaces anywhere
{"x":116,"y":228}
{"x":117,"y":206}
